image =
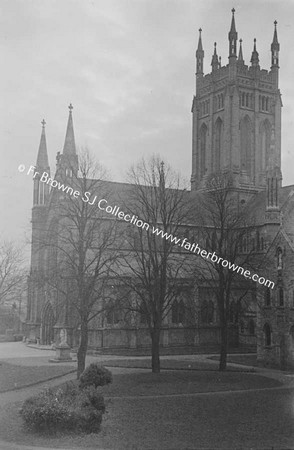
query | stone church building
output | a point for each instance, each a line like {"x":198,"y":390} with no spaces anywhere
{"x":236,"y":122}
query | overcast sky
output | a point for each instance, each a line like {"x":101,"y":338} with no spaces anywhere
{"x":128,"y":67}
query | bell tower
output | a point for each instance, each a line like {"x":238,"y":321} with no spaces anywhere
{"x":234,"y":110}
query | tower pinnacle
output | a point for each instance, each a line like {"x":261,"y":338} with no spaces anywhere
{"x":199,"y":55}
{"x":233,"y":36}
{"x":255,"y":56}
{"x":240,"y":56}
{"x":69,"y":143}
{"x":42,"y":158}
{"x":275,"y":48}
{"x":214,"y":61}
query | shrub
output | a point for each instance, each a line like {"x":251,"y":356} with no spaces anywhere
{"x":90,"y":397}
{"x":95,"y":375}
{"x":44,"y":412}
{"x":18,"y":337}
{"x":65,"y":409}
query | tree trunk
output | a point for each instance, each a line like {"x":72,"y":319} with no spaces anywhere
{"x":82,"y":351}
{"x":223,"y":346}
{"x":155,"y":350}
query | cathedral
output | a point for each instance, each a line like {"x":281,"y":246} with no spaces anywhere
{"x":236,"y":129}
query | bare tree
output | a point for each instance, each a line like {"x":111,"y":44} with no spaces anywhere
{"x":11,"y":270}
{"x":228,"y":233}
{"x":82,"y":247}
{"x":152,"y":267}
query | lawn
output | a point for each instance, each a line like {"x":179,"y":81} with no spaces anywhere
{"x":14,"y":376}
{"x":144,"y":413}
{"x":189,"y":363}
{"x":248,"y":359}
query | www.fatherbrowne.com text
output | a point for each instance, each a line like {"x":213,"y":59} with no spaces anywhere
{"x":103,"y":205}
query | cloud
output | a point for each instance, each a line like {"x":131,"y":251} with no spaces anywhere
{"x":128,"y":67}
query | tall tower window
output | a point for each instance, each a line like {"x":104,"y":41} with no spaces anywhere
{"x":246,"y":100}
{"x":267,"y":297}
{"x":267,"y":334}
{"x":203,"y":140}
{"x":265,"y":133}
{"x":217,"y":151}
{"x":245,"y":145}
{"x":264,"y":103}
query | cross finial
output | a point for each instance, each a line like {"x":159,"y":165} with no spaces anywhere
{"x":43,"y":123}
{"x":275,"y":23}
{"x":241,"y":40}
{"x":70,"y":107}
{"x":233,"y":11}
{"x":200,"y":30}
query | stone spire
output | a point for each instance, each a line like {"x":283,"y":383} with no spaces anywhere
{"x":214,"y":61}
{"x":240,"y":56}
{"x":275,"y":48}
{"x":255,"y":56}
{"x":233,"y":36}
{"x":69,"y":143}
{"x":42,"y":158}
{"x":199,"y":56}
{"x":41,"y":190}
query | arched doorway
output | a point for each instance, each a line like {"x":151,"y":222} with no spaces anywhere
{"x":48,"y":322}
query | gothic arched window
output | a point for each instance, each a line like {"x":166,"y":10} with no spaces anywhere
{"x":279,"y":258}
{"x":178,"y":312}
{"x":203,"y":139}
{"x":251,"y":326}
{"x":243,"y":99}
{"x":265,"y":135}
{"x":112,"y":314}
{"x":181,"y":312}
{"x":175,"y":307}
{"x":245,"y":144}
{"x":218,"y":142}
{"x":267,"y":297}
{"x":267,"y":334}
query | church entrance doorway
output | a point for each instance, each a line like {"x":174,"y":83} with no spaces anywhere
{"x":48,"y":321}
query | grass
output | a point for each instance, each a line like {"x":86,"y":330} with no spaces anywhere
{"x":183,"y":364}
{"x":246,"y":359}
{"x":184,"y":382}
{"x":137,"y":421}
{"x":14,"y":376}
